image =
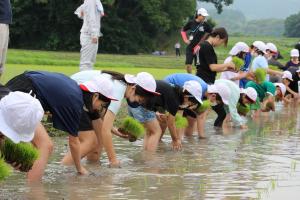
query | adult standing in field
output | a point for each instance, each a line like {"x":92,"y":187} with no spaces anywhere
{"x":91,"y":11}
{"x":192,"y":33}
{"x":207,"y":65}
{"x":68,"y":102}
{"x":5,"y":21}
{"x":177,"y":49}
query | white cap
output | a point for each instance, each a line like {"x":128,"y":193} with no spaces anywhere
{"x":294,"y":53}
{"x":260,"y":46}
{"x":239,"y":47}
{"x":272,"y":47}
{"x":194,"y":88}
{"x":20,"y":113}
{"x":282,"y":87}
{"x":220,"y":89}
{"x":101,"y":84}
{"x":144,"y":80}
{"x":287,"y":75}
{"x":203,"y":12}
{"x":250,"y":93}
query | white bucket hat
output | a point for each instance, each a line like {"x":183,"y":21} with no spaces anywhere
{"x":101,"y":84}
{"x":239,"y":47}
{"x":294,"y":53}
{"x":144,"y":80}
{"x":260,"y":46}
{"x":250,"y":93}
{"x":287,"y":75}
{"x":20,"y":113}
{"x":282,"y":87}
{"x":194,"y":88}
{"x":222,"y":90}
{"x":203,"y":12}
{"x":272,"y":47}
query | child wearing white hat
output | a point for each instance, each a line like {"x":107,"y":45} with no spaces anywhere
{"x":68,"y":103}
{"x":139,"y":88}
{"x":294,"y":61}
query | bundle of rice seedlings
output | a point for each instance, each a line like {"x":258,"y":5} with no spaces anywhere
{"x":132,"y":128}
{"x":21,"y":153}
{"x":5,"y":169}
{"x":180,"y":122}
{"x":243,"y":110}
{"x":269,"y":106}
{"x":204,"y":106}
{"x":273,"y":67}
{"x":238,"y":62}
{"x":260,"y":75}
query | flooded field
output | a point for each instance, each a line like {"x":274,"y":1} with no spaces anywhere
{"x":260,"y":163}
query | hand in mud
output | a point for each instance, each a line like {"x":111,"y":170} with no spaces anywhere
{"x":176,"y":145}
{"x":119,"y":133}
{"x":115,"y":164}
{"x":83,"y":171}
{"x":19,"y":167}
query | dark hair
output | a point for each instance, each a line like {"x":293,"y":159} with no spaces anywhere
{"x":115,"y":75}
{"x":142,"y":92}
{"x":191,"y":98}
{"x":218,"y":97}
{"x":241,"y":55}
{"x":221,"y":32}
{"x":259,"y":52}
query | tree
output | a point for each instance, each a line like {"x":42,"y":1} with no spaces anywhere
{"x":219,"y":4}
{"x":292,"y":25}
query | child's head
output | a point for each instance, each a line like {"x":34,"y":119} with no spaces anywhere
{"x":248,"y":96}
{"x":218,"y":94}
{"x":201,"y":14}
{"x":280,"y":91}
{"x":259,"y":48}
{"x":295,"y":55}
{"x":287,"y":77}
{"x":272,"y":50}
{"x":239,"y":49}
{"x":192,"y":95}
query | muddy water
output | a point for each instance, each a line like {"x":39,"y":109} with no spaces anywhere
{"x":263,"y":162}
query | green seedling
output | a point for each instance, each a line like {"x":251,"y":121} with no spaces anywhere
{"x":180,"y":122}
{"x":132,"y":128}
{"x":243,"y":110}
{"x":5,"y":169}
{"x":22,"y":153}
{"x":273,"y":67}
{"x":260,"y":75}
{"x":204,"y":106}
{"x":238,"y":62}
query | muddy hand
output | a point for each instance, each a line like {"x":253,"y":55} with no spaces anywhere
{"x":115,"y":164}
{"x":177,"y":145}
{"x":83,"y":171}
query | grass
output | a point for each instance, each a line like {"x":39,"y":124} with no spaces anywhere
{"x":21,"y":153}
{"x":5,"y":169}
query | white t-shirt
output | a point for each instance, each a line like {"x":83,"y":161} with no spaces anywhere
{"x":119,"y":87}
{"x":229,"y":75}
{"x":260,"y":62}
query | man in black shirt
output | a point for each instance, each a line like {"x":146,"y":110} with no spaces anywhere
{"x":197,"y":29}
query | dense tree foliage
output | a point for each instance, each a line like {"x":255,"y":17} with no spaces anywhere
{"x":130,"y":26}
{"x":292,"y":26}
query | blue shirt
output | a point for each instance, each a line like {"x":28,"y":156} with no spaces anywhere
{"x":247,"y":60}
{"x":61,"y":96}
{"x":180,"y":78}
{"x":5,"y":12}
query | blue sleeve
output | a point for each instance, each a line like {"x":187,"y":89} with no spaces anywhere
{"x":247,"y":62}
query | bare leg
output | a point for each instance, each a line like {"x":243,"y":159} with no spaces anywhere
{"x":189,"y":130}
{"x":152,"y":136}
{"x":44,"y":144}
{"x":88,"y":142}
{"x":94,"y":155}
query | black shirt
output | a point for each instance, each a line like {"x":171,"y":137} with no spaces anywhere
{"x":169,"y":100}
{"x":207,"y":56}
{"x":3,"y":91}
{"x":294,"y":84}
{"x":5,"y":12}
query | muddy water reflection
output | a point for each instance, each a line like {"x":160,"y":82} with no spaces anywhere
{"x":261,"y":162}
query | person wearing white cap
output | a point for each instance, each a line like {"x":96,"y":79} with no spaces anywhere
{"x":281,"y":93}
{"x":229,"y":97}
{"x":91,"y":12}
{"x":294,"y":61}
{"x":68,"y":103}
{"x":139,"y":88}
{"x":272,"y":55}
{"x":288,"y":81}
{"x":239,"y":50}
{"x":260,"y":60}
{"x":179,"y":79}
{"x":197,"y":28}
{"x":173,"y":99}
{"x":20,"y":114}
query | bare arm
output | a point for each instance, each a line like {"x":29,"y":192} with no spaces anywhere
{"x":201,"y":124}
{"x":222,"y":67}
{"x":75,"y":151}
{"x":172,"y":128}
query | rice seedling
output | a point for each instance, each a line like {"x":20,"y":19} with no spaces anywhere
{"x":21,"y":153}
{"x":260,"y":75}
{"x":132,"y":128}
{"x":243,"y":110}
{"x":238,"y":62}
{"x":273,"y":67}
{"x":5,"y":169}
{"x":204,"y":106}
{"x":180,"y":122}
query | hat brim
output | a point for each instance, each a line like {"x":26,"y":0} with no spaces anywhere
{"x":154,"y":93}
{"x":11,"y":134}
{"x":130,"y":78}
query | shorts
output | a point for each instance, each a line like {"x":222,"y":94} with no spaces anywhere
{"x":85,"y":123}
{"x":141,"y":114}
{"x":189,"y":56}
